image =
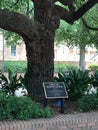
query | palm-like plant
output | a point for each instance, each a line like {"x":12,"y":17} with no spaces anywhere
{"x":95,"y":77}
{"x":10,"y":83}
{"x":76,"y":82}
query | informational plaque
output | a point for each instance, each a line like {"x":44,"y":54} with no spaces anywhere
{"x":55,"y":90}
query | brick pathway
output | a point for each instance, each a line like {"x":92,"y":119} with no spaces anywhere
{"x":78,"y":121}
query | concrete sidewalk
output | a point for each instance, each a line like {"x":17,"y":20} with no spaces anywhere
{"x":78,"y":121}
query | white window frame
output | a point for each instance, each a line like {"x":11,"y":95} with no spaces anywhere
{"x":14,"y":53}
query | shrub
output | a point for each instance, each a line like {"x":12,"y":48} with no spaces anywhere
{"x":10,"y":83}
{"x":95,"y":77}
{"x":74,"y":67}
{"x":76,"y":82}
{"x":61,"y":67}
{"x":87,"y":103}
{"x":21,"y":66}
{"x":16,"y":66}
{"x":21,"y":108}
{"x":93,"y":67}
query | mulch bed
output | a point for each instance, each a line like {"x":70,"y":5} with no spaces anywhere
{"x":70,"y":106}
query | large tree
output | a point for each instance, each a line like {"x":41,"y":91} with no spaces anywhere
{"x":79,"y":34}
{"x":76,"y":36}
{"x":38,"y":33}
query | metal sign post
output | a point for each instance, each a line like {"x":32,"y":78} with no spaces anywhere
{"x":55,"y":90}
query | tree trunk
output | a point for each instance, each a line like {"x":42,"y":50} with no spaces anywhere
{"x":40,"y":53}
{"x":82,"y":58}
{"x":40,"y":66}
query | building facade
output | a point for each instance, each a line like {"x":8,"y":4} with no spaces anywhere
{"x":61,"y":53}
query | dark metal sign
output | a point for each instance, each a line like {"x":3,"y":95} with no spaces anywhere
{"x":55,"y":90}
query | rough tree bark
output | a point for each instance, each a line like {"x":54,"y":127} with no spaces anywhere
{"x":39,"y":36}
{"x":40,"y":53}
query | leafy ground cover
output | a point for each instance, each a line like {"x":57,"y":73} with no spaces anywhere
{"x":73,"y":107}
{"x":77,"y":83}
{"x":21,"y":108}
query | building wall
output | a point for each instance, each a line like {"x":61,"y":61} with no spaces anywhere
{"x":20,"y":53}
{"x":62,"y":53}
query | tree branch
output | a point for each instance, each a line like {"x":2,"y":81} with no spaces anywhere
{"x":15,"y":3}
{"x":82,"y":10}
{"x":71,"y":16}
{"x":18,"y":23}
{"x":64,"y":14}
{"x":68,"y":3}
{"x":28,"y":10}
{"x":89,"y":27}
{"x":65,"y":2}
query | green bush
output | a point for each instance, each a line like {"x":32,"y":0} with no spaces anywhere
{"x":20,"y":66}
{"x":87,"y":103}
{"x":76,"y":82}
{"x":61,"y":67}
{"x":15,"y":66}
{"x":21,"y":108}
{"x":74,"y":67}
{"x":93,"y":67}
{"x":95,"y":77}
{"x":12,"y":82}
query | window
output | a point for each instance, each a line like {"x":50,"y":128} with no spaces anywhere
{"x":13,"y":51}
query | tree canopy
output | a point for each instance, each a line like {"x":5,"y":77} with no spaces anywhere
{"x":24,"y":6}
{"x":79,"y":34}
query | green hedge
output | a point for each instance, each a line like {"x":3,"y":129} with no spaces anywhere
{"x":58,"y":67}
{"x":93,"y":66}
{"x":61,"y":67}
{"x":15,"y":66}
{"x":20,"y":66}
